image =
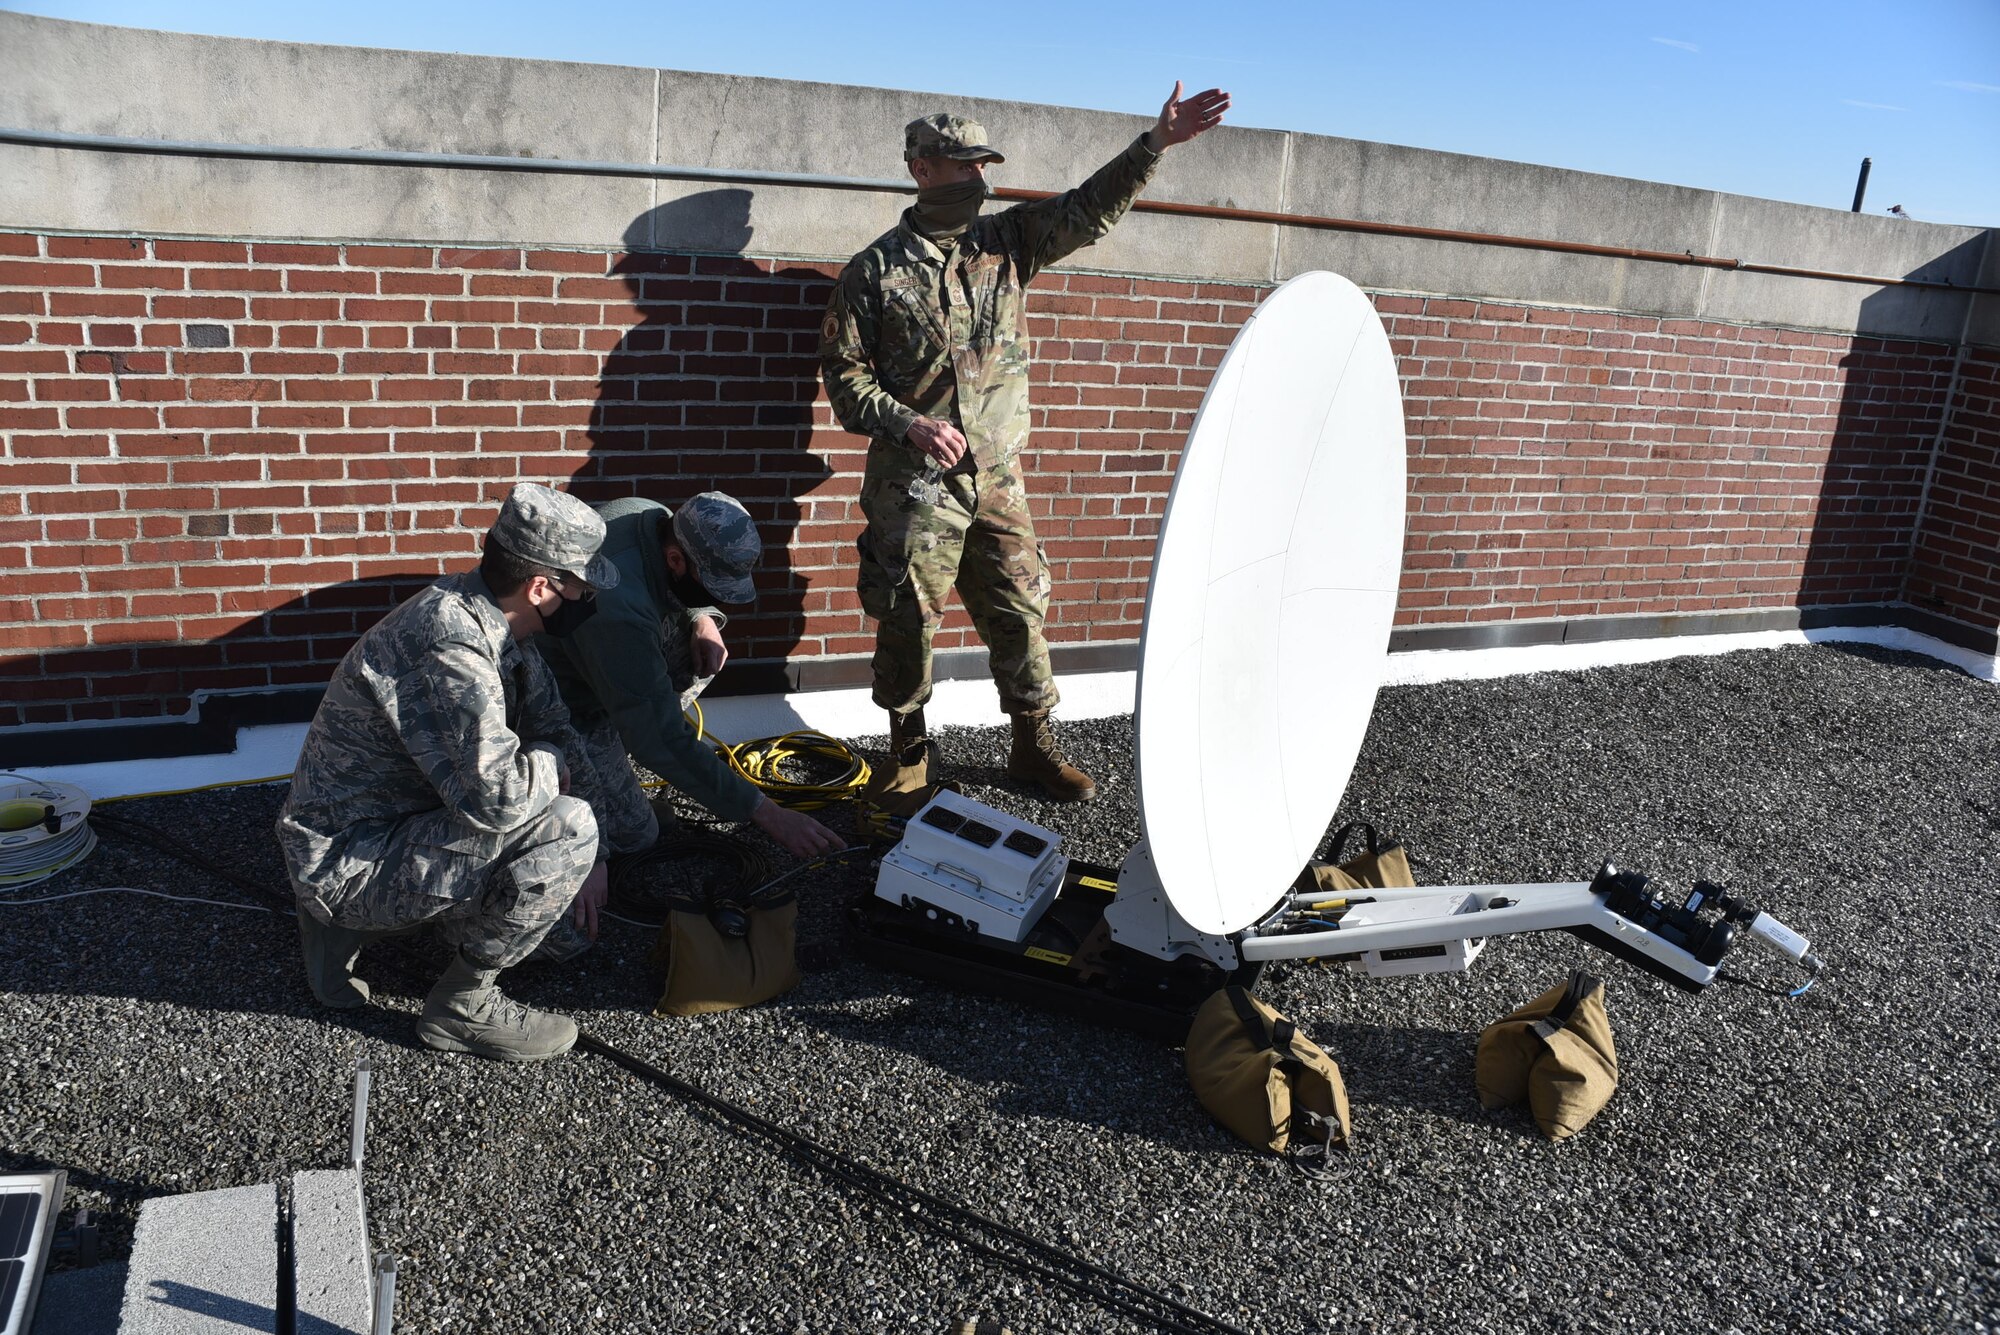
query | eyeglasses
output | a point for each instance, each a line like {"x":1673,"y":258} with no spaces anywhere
{"x":582,"y":593}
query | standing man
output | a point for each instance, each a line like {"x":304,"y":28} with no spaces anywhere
{"x":628,"y":675}
{"x":925,"y":351}
{"x":432,"y":785}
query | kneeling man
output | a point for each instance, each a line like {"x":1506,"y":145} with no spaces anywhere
{"x":432,"y":785}
{"x":630,"y":672}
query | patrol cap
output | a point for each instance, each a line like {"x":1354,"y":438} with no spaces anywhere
{"x":942,"y":136}
{"x":556,"y":530}
{"x":721,"y":540}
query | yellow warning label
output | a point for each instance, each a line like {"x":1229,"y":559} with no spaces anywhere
{"x":1037,"y":953}
{"x":1096,"y":883}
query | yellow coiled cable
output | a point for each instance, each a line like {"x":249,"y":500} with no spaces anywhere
{"x":761,"y":761}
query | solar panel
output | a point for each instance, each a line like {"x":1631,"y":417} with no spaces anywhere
{"x":28,"y":1206}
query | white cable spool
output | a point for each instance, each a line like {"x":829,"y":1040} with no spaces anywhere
{"x":44,"y":827}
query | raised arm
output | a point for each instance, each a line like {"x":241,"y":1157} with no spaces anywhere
{"x":1047,"y":230}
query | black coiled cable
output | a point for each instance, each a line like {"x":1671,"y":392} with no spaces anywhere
{"x":690,"y":866}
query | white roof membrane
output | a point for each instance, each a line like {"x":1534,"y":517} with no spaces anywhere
{"x":1273,"y":589}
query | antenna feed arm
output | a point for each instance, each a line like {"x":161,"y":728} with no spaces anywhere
{"x":1629,"y":895}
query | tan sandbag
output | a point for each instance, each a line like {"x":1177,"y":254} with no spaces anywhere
{"x":1257,"y":1075}
{"x":1556,"y":1052}
{"x":1382,"y":866}
{"x":709,"y":972}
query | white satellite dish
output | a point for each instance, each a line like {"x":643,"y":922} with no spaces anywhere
{"x":1268,"y":614}
{"x":1267,"y":623}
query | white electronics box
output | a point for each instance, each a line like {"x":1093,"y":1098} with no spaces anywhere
{"x":995,"y":872}
{"x":1444,"y":957}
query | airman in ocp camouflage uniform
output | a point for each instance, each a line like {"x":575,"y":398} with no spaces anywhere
{"x":925,"y":351}
{"x":432,"y":784}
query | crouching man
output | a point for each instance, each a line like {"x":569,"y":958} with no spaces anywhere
{"x":630,"y":673}
{"x":431,"y":788}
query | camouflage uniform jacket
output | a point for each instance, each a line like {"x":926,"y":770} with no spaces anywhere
{"x":914,"y":330}
{"x":435,"y":707}
{"x":627,"y":663}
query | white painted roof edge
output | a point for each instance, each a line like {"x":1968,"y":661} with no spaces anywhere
{"x":267,"y":754}
{"x":1432,"y":665}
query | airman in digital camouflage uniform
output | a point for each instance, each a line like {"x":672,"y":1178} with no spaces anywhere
{"x":432,"y":784}
{"x":628,"y":674}
{"x":925,"y":351}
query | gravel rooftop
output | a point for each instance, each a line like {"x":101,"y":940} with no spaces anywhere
{"x":1766,"y":1164}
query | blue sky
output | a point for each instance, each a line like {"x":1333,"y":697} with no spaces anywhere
{"x":1777,"y":98}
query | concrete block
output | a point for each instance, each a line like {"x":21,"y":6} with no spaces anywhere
{"x":330,"y":1253}
{"x":1765,"y":231}
{"x":773,"y":221}
{"x":713,"y":120}
{"x":723,"y":120}
{"x":81,"y":1302}
{"x":80,"y":77}
{"x":1348,"y":178}
{"x":86,"y":78}
{"x":89,"y":78}
{"x":104,"y":192}
{"x":204,"y":1262}
{"x":1985,"y":327}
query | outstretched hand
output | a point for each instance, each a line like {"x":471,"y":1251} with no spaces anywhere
{"x":1181,"y":121}
{"x":794,"y":831}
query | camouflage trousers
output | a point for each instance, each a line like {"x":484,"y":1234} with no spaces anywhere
{"x":970,"y":530}
{"x":624,"y":812}
{"x":494,"y":897}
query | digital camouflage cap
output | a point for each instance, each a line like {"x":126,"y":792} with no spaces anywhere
{"x":942,"y":136}
{"x":553,"y":529}
{"x":721,"y":540}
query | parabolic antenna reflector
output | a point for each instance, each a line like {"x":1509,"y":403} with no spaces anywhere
{"x":1268,"y":615}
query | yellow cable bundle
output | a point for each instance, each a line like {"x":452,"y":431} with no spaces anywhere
{"x":761,"y":761}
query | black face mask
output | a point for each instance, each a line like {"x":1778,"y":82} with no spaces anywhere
{"x":690,"y":591}
{"x":945,"y":209}
{"x":572,"y":612}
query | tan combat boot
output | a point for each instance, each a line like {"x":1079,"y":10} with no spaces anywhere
{"x":911,"y":757}
{"x":330,"y":953}
{"x":465,"y":1012}
{"x":906,"y":731}
{"x":1038,"y":759}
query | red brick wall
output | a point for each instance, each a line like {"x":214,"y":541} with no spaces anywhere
{"x":1956,"y":570}
{"x":1578,"y":463}
{"x":220,"y":461}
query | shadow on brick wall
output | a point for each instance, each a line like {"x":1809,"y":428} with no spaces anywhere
{"x":711,"y":386}
{"x":1871,"y":510}
{"x":713,"y":389}
{"x":267,"y":670}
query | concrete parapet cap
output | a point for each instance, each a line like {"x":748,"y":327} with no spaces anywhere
{"x":83,"y":78}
